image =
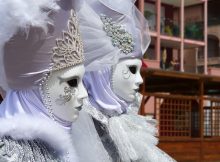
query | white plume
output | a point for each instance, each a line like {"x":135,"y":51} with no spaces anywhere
{"x":21,"y":14}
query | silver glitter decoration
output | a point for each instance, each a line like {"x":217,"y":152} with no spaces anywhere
{"x":87,"y":107}
{"x":120,"y":37}
{"x":68,"y":93}
{"x":27,"y":151}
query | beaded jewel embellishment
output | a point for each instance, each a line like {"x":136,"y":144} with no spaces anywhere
{"x":68,"y":93}
{"x":69,"y":50}
{"x":120,"y":37}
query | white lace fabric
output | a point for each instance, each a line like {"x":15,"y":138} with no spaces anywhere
{"x":133,"y":135}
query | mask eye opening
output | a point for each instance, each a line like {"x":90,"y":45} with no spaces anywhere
{"x":133,"y":69}
{"x":73,"y":82}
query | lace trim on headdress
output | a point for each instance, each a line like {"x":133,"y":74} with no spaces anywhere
{"x":69,"y":50}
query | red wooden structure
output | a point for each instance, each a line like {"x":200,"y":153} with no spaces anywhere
{"x":187,"y":107}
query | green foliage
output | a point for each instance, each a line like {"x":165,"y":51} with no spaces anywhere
{"x":148,"y":14}
{"x":194,"y":31}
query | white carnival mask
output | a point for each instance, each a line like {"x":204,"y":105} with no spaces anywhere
{"x":62,"y":90}
{"x":126,"y":79}
{"x":65,"y":92}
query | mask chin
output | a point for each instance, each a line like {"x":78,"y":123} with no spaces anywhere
{"x":63,"y":93}
{"x":126,"y":79}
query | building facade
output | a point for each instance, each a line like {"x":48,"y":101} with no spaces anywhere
{"x":178,"y":30}
{"x":181,"y":83}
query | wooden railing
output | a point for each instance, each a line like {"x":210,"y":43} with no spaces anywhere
{"x":185,"y":132}
{"x":188,"y":120}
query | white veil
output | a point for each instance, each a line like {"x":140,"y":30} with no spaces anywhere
{"x":86,"y":140}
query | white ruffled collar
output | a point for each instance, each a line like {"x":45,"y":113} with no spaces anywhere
{"x":29,"y":128}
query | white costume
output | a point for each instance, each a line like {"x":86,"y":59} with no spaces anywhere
{"x":41,"y":70}
{"x":115,"y":36}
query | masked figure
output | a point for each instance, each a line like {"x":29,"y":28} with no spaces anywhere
{"x":115,"y":36}
{"x":41,"y":71}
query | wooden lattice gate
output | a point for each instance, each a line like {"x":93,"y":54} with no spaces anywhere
{"x":180,"y":132}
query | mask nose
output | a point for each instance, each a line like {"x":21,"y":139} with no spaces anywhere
{"x":139,"y":79}
{"x":82,"y":92}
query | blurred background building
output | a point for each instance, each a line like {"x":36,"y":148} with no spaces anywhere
{"x":177,"y":28}
{"x":182,"y":82}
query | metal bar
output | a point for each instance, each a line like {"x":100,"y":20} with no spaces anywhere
{"x":171,"y":96}
{"x":212,"y":99}
{"x":205,"y":36}
{"x":211,"y":119}
{"x":141,"y":6}
{"x":182,"y":36}
{"x":201,"y":104}
{"x":158,"y":46}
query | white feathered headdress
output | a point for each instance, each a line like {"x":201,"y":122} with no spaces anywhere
{"x":23,"y":14}
{"x":20,"y":15}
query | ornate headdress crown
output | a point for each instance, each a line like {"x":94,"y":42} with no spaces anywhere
{"x":69,"y":50}
{"x":120,"y":37}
